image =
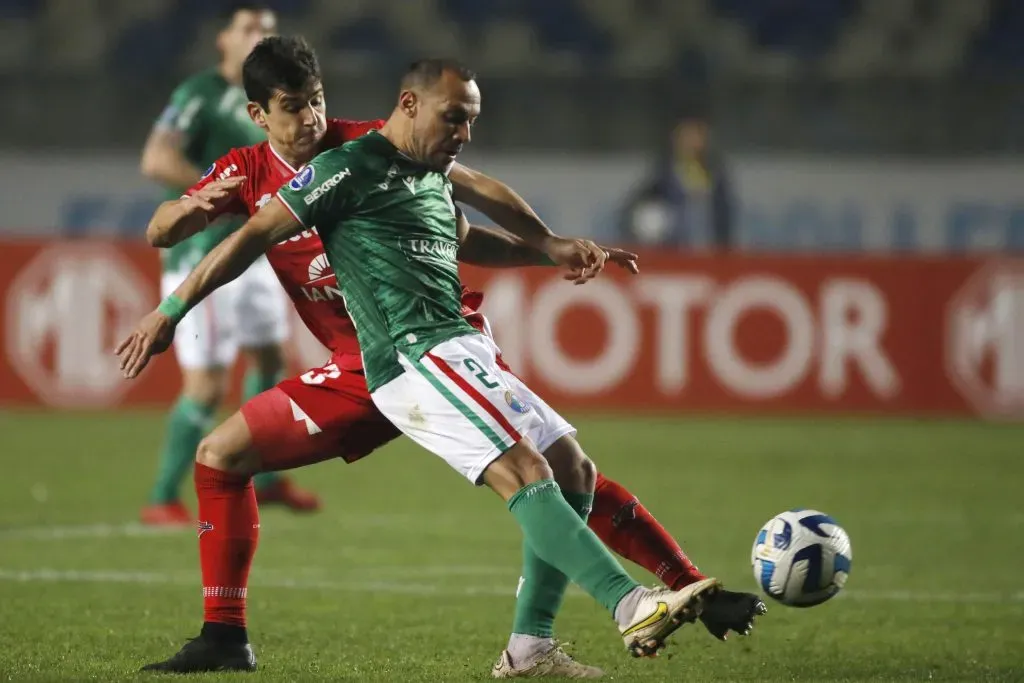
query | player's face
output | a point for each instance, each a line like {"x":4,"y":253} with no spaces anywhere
{"x":297,"y":120}
{"x":443,"y":119}
{"x":246,"y":29}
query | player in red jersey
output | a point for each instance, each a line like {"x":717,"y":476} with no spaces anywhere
{"x":327,"y":411}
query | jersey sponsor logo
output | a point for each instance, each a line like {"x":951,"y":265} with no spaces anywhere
{"x":302,"y":178}
{"x":319,"y":268}
{"x":410,"y":183}
{"x":228,"y":170}
{"x":515,"y":403}
{"x":305,"y":234}
{"x":208,"y":172}
{"x":324,"y":187}
{"x":321,"y":286}
{"x":436,"y":251}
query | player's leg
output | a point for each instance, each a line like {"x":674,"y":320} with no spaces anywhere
{"x":625,"y":525}
{"x":205,"y":344}
{"x":262,"y":314}
{"x":452,"y":402}
{"x":315,"y":417}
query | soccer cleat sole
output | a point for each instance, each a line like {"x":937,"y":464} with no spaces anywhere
{"x":684,"y":614}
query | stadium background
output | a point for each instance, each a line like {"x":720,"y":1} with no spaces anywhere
{"x":872,"y":278}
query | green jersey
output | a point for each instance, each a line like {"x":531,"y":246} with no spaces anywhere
{"x":388,"y":226}
{"x":210,"y":115}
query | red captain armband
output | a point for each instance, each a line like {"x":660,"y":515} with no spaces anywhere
{"x":174,"y":308}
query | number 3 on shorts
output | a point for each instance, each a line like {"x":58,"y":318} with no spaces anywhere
{"x":480,"y":374}
{"x":320,"y":375}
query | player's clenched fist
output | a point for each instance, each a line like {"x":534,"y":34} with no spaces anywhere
{"x":213,"y":196}
{"x":153,"y":335}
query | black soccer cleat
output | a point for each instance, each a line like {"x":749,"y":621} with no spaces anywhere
{"x":730,"y":611}
{"x":205,"y":654}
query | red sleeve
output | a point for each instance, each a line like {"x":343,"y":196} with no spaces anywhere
{"x":232,"y":163}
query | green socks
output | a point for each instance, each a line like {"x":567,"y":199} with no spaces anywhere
{"x":562,"y":543}
{"x":187,"y":424}
{"x":256,"y":383}
{"x":542,"y":587}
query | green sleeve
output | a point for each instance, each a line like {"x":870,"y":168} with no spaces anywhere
{"x":185,"y":113}
{"x":322,"y":191}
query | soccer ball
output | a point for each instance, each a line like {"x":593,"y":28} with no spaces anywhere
{"x":801,"y":558}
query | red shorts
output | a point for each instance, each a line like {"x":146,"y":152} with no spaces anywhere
{"x":322,"y":414}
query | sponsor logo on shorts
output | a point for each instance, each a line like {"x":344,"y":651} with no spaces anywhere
{"x":515,"y":404}
{"x":202,"y":527}
{"x":302,"y":178}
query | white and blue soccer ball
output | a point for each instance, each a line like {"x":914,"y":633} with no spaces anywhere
{"x":801,"y":558}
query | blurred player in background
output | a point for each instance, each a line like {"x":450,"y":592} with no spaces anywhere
{"x":206,"y":117}
{"x":282,"y":79}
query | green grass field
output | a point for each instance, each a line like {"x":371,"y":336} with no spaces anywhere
{"x":409,"y":573}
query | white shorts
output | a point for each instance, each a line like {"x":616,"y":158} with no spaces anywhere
{"x":459,"y":404}
{"x":250,"y":312}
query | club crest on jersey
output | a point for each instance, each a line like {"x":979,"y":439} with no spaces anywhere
{"x":302,"y":178}
{"x":208,"y":172}
{"x":515,"y":403}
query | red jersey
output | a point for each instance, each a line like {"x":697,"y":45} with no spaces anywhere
{"x":300,"y":262}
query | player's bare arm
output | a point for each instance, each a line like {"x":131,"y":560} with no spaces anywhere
{"x":497,"y":248}
{"x":178,"y":219}
{"x":164,"y":161}
{"x":504,"y":206}
{"x":154,"y":334}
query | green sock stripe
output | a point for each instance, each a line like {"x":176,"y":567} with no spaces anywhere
{"x":466,"y":411}
{"x":542,"y":487}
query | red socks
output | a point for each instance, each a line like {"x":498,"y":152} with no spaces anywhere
{"x":229,"y":529}
{"x":629,"y":529}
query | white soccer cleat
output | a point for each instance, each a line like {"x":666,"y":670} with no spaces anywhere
{"x":554,"y":662}
{"x":661,"y":611}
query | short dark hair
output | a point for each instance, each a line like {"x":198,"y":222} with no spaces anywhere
{"x":426,"y":72}
{"x":228,"y":10}
{"x":284,"y":63}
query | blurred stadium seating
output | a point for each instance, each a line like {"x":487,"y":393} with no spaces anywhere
{"x":894,"y":75}
{"x":852,"y":38}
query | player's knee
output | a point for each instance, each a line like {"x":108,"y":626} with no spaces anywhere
{"x":572,"y":469}
{"x":217,"y":453}
{"x":519,"y":466}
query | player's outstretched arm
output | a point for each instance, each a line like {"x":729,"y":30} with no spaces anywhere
{"x":504,"y":206}
{"x":496,"y":248}
{"x":500,"y":203}
{"x":178,"y":219}
{"x":226,"y":262}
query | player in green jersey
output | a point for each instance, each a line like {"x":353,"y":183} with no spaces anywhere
{"x":207,"y":117}
{"x":383,"y":206}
